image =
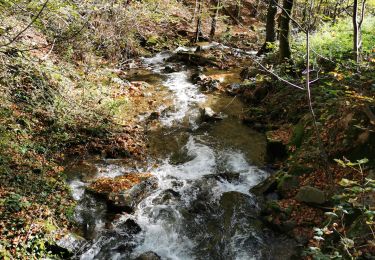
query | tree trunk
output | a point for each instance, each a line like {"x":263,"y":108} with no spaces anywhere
{"x":238,"y":9}
{"x":355,"y":32}
{"x":195,"y":11}
{"x":284,"y":51}
{"x":214,"y":20}
{"x":357,"y":27}
{"x":270,"y":27}
{"x":198,"y":32}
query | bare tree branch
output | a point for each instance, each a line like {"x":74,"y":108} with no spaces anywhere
{"x":28,"y":26}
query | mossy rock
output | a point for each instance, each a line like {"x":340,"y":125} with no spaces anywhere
{"x":271,"y":206}
{"x":152,"y":40}
{"x":312,"y":195}
{"x":299,"y":170}
{"x":269,"y":185}
{"x":286,"y":184}
{"x":193,"y":59}
{"x":123,"y":193}
{"x":148,"y":256}
{"x":82,"y":169}
{"x":298,"y":134}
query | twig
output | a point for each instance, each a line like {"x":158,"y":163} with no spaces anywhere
{"x":277,"y":76}
{"x":230,"y":102}
{"x":50,"y":51}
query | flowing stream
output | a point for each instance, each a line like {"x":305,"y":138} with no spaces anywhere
{"x":202,"y":208}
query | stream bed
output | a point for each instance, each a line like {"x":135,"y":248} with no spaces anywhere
{"x":202,"y":207}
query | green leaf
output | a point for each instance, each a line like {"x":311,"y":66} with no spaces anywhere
{"x":356,"y":189}
{"x":347,"y":242}
{"x":331,"y":214}
{"x":346,"y":183}
{"x":340,"y":162}
{"x":318,"y":231}
{"x":363,"y":161}
{"x":370,"y":213}
{"x":318,"y":238}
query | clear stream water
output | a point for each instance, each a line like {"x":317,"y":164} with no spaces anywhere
{"x":195,"y":213}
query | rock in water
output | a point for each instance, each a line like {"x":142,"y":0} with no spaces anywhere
{"x":154,"y":116}
{"x":169,"y":69}
{"x":207,"y":115}
{"x":68,"y":245}
{"x":148,"y":256}
{"x":310,"y":194}
{"x":130,"y":226}
{"x":233,"y":89}
{"x":124,"y":192}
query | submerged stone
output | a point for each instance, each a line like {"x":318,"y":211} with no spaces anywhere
{"x":69,"y":244}
{"x":233,"y":89}
{"x":227,"y":176}
{"x":169,"y":69}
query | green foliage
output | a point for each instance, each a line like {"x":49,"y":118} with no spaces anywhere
{"x":350,"y":204}
{"x":15,"y":202}
{"x":298,"y":134}
{"x":335,"y":41}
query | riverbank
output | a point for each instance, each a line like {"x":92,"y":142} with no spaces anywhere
{"x":65,"y":98}
{"x":62,"y":101}
{"x":321,"y":192}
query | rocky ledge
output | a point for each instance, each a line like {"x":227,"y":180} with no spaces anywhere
{"x":124,"y":192}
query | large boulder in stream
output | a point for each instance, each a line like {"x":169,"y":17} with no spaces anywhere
{"x":193,"y":59}
{"x":124,"y":192}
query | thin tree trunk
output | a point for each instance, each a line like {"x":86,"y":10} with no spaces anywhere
{"x":239,"y":6}
{"x":214,"y":20}
{"x":304,"y":12}
{"x":195,"y":11}
{"x":198,"y":32}
{"x":355,"y":32}
{"x":270,"y":27}
{"x":338,"y":3}
{"x":284,"y":51}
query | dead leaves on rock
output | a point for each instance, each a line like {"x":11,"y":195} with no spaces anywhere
{"x":117,"y":184}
